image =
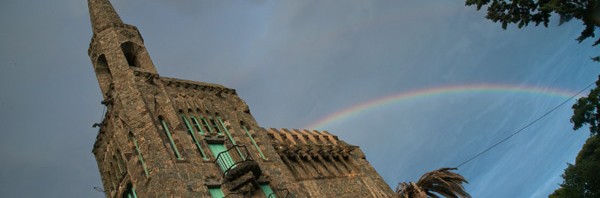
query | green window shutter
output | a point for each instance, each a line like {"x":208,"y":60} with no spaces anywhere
{"x":141,"y":158}
{"x":166,"y":128}
{"x":197,"y":125}
{"x":215,"y":126}
{"x":133,"y":194}
{"x":225,"y":159}
{"x":216,"y":192}
{"x":254,"y":142}
{"x":191,"y":131}
{"x":205,"y":123}
{"x":268,"y":191}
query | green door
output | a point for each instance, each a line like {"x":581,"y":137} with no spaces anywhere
{"x":268,"y":191}
{"x":225,"y":161}
{"x":216,"y":192}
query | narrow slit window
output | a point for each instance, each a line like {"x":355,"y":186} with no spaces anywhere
{"x":192,"y":133}
{"x":120,"y":163}
{"x":197,"y":125}
{"x":171,"y":141}
{"x":252,"y":140}
{"x":205,"y":123}
{"x":228,"y":135}
{"x":139,"y":154}
{"x":215,"y":126}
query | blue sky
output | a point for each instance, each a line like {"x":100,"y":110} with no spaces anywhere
{"x":294,"y":63}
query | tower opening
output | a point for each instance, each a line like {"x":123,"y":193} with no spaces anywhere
{"x":130,"y":51}
{"x":102,"y":67}
{"x":103,"y":73}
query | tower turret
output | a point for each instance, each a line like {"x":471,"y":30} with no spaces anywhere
{"x":102,"y":15}
{"x":117,"y":49}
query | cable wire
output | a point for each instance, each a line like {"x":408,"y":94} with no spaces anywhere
{"x":527,"y":126}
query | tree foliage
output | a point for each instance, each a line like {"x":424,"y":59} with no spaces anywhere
{"x":525,"y":12}
{"x":583,"y":178}
{"x":438,"y":182}
{"x":587,"y":110}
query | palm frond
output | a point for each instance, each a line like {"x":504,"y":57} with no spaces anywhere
{"x":438,"y":182}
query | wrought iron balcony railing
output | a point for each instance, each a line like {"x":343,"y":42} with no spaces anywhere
{"x":237,"y":161}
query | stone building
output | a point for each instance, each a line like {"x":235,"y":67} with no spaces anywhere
{"x":167,"y":137}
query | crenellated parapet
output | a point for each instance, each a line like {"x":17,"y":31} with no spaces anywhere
{"x":312,"y":154}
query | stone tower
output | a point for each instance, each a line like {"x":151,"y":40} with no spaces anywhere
{"x":166,"y":137}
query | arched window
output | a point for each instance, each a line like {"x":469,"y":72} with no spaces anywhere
{"x":103,"y":72}
{"x":102,"y":66}
{"x":129,"y":192}
{"x":131,"y":52}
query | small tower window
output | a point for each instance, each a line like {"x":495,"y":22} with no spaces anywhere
{"x":103,"y":72}
{"x":130,"y":51}
{"x":102,"y":66}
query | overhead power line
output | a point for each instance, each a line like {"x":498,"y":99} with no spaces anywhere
{"x":526,"y":126}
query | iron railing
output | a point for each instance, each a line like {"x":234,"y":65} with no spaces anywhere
{"x":232,"y":157}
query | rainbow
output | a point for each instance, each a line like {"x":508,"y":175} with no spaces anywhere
{"x":435,"y":91}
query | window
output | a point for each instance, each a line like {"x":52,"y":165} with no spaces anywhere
{"x":168,"y":133}
{"x":226,"y":131}
{"x":205,"y":123}
{"x":102,"y":66}
{"x":197,"y":125}
{"x":139,"y":154}
{"x":215,"y":126}
{"x":130,"y":192}
{"x":225,"y":160}
{"x":268,"y":191}
{"x":120,"y":163}
{"x":103,"y":72}
{"x":216,"y":192}
{"x":131,"y":54}
{"x":191,"y":131}
{"x":252,"y":139}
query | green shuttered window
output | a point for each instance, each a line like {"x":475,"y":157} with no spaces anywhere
{"x":253,"y":142}
{"x":197,"y":125}
{"x":225,"y":157}
{"x":168,"y":133}
{"x":192,"y":133}
{"x":139,"y":154}
{"x":216,"y":192}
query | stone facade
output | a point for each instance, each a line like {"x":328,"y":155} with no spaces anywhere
{"x":166,"y":137}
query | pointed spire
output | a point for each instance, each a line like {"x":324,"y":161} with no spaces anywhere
{"x":102,"y":15}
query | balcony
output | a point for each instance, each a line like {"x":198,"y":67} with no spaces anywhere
{"x":238,"y":167}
